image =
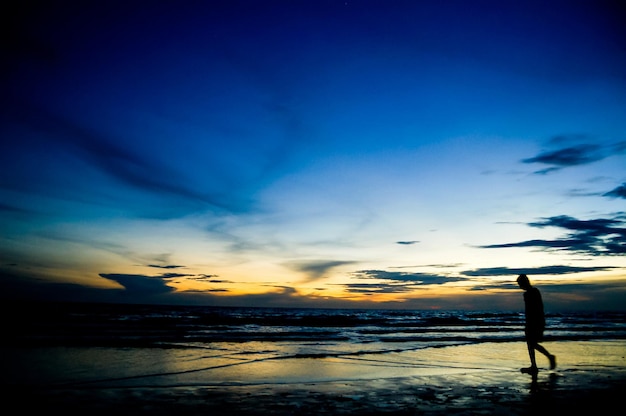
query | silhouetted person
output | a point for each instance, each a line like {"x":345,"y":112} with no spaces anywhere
{"x":535,"y":324}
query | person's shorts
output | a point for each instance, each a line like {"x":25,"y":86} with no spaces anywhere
{"x":534,"y":334}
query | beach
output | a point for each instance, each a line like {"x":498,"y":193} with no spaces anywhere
{"x":105,"y":359}
{"x":463,"y":380}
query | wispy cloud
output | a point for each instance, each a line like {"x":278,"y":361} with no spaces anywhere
{"x":597,"y":237}
{"x":413,"y":278}
{"x":396,"y":282}
{"x":574,"y":153}
{"x":174,"y":275}
{"x":209,"y":278}
{"x":619,"y":192}
{"x":167,"y":266}
{"x":569,"y":156}
{"x":437,"y":266}
{"x":316,"y":269}
{"x":550,"y":270}
{"x":371,"y":288}
{"x":137,"y":170}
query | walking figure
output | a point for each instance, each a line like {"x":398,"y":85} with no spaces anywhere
{"x":535,"y":325}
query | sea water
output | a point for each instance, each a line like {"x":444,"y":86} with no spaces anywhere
{"x":56,"y":344}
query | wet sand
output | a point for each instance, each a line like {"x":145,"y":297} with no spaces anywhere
{"x":590,"y":375}
{"x":459,"y":394}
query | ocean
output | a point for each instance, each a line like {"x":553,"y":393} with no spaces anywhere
{"x":353,"y":330}
{"x":59,"y":344}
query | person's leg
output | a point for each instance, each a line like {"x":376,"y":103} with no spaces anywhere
{"x":545,"y":352}
{"x":532,"y":370}
{"x":532,"y":345}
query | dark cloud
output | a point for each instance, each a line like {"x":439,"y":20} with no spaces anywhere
{"x":140,"y":284}
{"x":551,"y":270}
{"x":408,"y":243}
{"x":600,"y":295}
{"x":569,"y":156}
{"x":378,"y":288}
{"x":281,"y":296}
{"x":576,"y":193}
{"x":397,"y":282}
{"x":575,"y":154}
{"x":167,"y":266}
{"x":316,"y":269}
{"x":499,"y":286}
{"x":619,"y":192}
{"x":174,"y":275}
{"x":598,"y":237}
{"x":597,"y":226}
{"x":546,"y":171}
{"x":211,"y":278}
{"x":413,"y":278}
{"x":438,"y":266}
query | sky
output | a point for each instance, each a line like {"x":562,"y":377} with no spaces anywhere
{"x":367,"y":154}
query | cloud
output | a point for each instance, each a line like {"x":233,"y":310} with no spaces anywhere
{"x":619,"y":192}
{"x":378,"y":288}
{"x":551,"y":270}
{"x":140,"y":284}
{"x":280,"y":296}
{"x":316,"y":269}
{"x":110,"y":156}
{"x":438,"y":266}
{"x":174,"y":275}
{"x":167,"y":266}
{"x":397,"y":282}
{"x":569,"y":156}
{"x":413,"y":278}
{"x":575,"y":154}
{"x":546,"y":171}
{"x":210,"y":278}
{"x":600,"y":295}
{"x":598,"y":237}
{"x":408,"y":243}
{"x":567,"y":296}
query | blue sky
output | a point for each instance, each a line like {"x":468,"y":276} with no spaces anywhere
{"x":409,"y":154}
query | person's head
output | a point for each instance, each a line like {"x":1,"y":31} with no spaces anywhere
{"x":523,"y":282}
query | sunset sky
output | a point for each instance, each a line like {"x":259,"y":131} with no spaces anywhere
{"x":403,"y":154}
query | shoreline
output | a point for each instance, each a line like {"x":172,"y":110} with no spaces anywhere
{"x":456,"y":380}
